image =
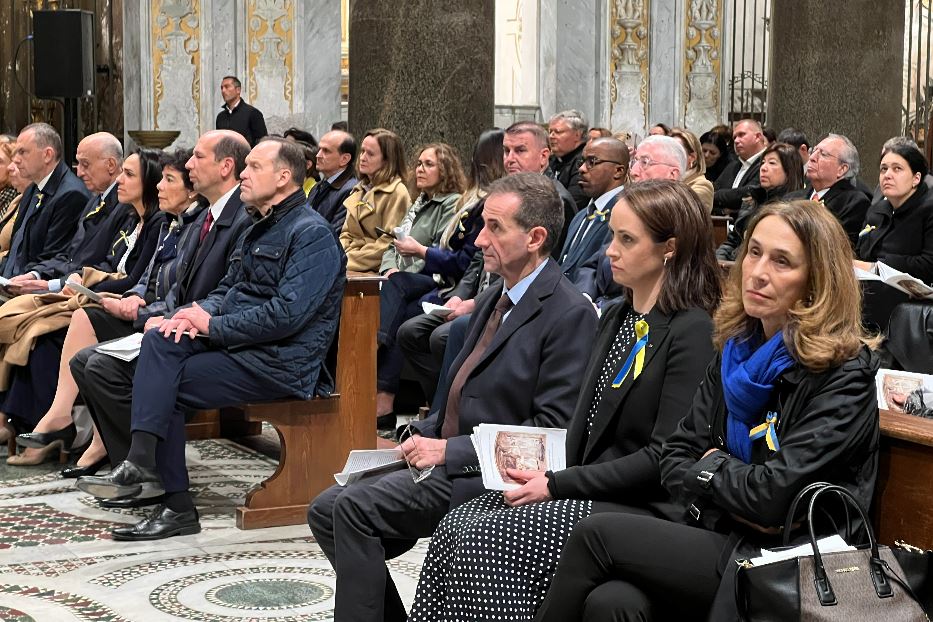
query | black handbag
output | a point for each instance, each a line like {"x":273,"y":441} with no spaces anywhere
{"x":873,"y":582}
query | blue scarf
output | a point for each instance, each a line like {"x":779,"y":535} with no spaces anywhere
{"x":748,"y":375}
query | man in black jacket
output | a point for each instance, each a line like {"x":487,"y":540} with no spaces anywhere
{"x":51,"y":205}
{"x":335,"y":159}
{"x":831,"y":170}
{"x":100,"y":160}
{"x":237,"y":115}
{"x":522,"y":364}
{"x":749,"y":142}
{"x":567,"y":134}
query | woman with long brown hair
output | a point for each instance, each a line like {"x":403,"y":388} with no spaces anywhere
{"x":379,"y":200}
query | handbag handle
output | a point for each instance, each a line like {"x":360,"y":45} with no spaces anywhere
{"x":824,"y":589}
{"x":792,"y":512}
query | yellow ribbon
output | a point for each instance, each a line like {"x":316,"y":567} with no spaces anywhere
{"x":122,"y":238}
{"x":868,"y":229}
{"x":99,"y":207}
{"x":39,"y":201}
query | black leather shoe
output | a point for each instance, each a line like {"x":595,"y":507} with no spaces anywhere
{"x":161,"y":523}
{"x":125,"y":480}
{"x":73,"y":471}
{"x":385,"y":422}
{"x":40,"y":440}
{"x":128,"y":504}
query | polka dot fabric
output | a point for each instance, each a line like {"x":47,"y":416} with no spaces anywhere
{"x":489,"y":561}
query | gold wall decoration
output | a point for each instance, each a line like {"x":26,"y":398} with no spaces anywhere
{"x":628,"y":64}
{"x":176,"y":63}
{"x":270,"y":40}
{"x":703,"y":51}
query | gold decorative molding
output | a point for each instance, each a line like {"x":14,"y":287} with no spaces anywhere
{"x":175,"y":34}
{"x":702,"y":54}
{"x":629,"y":48}
{"x":270,"y":41}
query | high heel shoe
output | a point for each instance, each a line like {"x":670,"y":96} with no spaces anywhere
{"x":38,"y":457}
{"x":74,"y":471}
{"x":41,"y":440}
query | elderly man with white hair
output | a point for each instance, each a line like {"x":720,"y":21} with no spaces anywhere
{"x":831,"y":169}
{"x":659,"y":157}
{"x":567,"y":134}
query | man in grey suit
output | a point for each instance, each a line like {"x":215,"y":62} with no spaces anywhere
{"x":521,"y":364}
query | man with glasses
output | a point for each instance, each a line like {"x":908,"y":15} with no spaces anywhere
{"x":749,"y":142}
{"x":567,"y":134}
{"x":603,"y":168}
{"x":830,"y":170}
{"x":659,"y":157}
{"x":521,"y":365}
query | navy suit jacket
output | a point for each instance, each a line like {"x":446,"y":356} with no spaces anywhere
{"x":48,"y":229}
{"x":598,"y":234}
{"x":328,"y":201}
{"x":530,"y":374}
{"x":203,"y":266}
{"x":97,"y":229}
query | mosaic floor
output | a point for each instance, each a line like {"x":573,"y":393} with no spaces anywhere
{"x":58,"y":562}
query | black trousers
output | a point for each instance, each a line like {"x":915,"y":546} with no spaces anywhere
{"x":423,"y":340}
{"x":627,"y":567}
{"x":106,"y":384}
{"x":365,"y":523}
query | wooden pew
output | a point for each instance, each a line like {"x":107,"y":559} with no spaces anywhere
{"x":720,"y":229}
{"x":903,"y":504}
{"x":316,"y":435}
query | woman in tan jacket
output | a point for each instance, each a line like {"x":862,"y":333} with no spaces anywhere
{"x":379,"y":200}
{"x":695,"y":175}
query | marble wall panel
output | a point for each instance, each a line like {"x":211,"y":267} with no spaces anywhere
{"x":629,"y":62}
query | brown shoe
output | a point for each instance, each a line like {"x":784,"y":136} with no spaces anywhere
{"x":32,"y":457}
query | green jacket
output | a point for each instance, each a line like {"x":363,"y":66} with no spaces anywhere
{"x":426,"y":220}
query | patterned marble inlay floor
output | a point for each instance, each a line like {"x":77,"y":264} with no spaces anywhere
{"x":58,"y":562}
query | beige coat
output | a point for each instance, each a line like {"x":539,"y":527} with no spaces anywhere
{"x":383,"y":206}
{"x":703,"y":189}
{"x":25,"y":318}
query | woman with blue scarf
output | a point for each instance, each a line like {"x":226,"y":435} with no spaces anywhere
{"x":789,"y":401}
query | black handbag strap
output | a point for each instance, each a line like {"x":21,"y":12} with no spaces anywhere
{"x":824,"y":589}
{"x":792,"y":512}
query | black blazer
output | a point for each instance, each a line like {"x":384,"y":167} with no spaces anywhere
{"x":845,"y":201}
{"x":726,"y":199}
{"x":618,"y":462}
{"x":203,"y":266}
{"x":47,"y":230}
{"x":570,"y":210}
{"x":901,"y":238}
{"x":529,"y":375}
{"x":328,"y":200}
{"x":566,"y":170}
{"x":98,"y":227}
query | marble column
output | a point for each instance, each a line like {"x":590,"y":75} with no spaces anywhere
{"x":837,"y":68}
{"x":422,"y":69}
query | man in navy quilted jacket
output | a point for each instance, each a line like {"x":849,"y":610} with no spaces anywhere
{"x":262,"y":334}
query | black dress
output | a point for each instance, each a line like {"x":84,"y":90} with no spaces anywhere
{"x":489,"y":561}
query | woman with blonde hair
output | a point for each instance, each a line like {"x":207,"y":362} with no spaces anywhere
{"x":379,"y":200}
{"x":789,"y":400}
{"x":7,"y":191}
{"x":695,"y":175}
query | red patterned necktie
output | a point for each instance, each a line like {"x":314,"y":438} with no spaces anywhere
{"x":206,"y":227}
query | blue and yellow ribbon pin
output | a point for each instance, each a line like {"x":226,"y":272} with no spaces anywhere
{"x":600,"y":213}
{"x":767,"y":430}
{"x":636,"y":357}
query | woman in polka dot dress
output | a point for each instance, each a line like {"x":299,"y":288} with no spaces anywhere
{"x":493,"y":558}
